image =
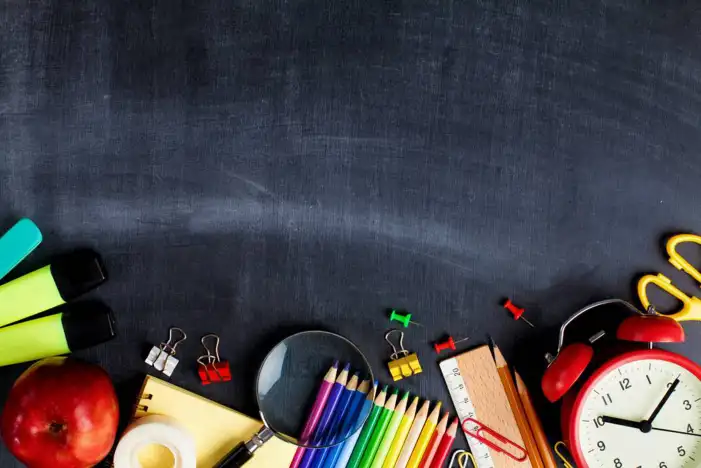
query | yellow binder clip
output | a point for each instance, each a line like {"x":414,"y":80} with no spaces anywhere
{"x":402,"y":363}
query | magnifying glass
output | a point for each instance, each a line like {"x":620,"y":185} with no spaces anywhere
{"x":297,"y":400}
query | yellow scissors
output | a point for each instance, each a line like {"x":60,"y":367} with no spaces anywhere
{"x":691,"y":305}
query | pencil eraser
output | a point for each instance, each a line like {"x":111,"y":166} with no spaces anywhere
{"x":17,"y":243}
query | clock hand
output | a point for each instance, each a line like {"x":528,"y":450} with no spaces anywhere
{"x":662,"y":403}
{"x":623,"y":422}
{"x":675,"y":432}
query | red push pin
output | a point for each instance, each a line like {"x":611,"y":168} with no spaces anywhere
{"x":516,"y":311}
{"x":447,"y":344}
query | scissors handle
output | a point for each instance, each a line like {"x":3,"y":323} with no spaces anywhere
{"x":691,"y":306}
{"x":679,"y":262}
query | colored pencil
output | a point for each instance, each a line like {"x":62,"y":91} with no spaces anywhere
{"x":435,"y":442}
{"x":315,"y":413}
{"x":395,"y":448}
{"x":327,"y":417}
{"x":379,"y":432}
{"x":541,"y":439}
{"x":424,"y":437}
{"x":413,"y":436}
{"x":349,"y":445}
{"x":445,"y":445}
{"x":335,"y":424}
{"x":349,"y":423}
{"x":517,"y":409}
{"x":369,"y":427}
{"x":391,"y":431}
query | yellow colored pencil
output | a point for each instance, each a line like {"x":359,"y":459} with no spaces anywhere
{"x":424,"y":438}
{"x":387,"y":439}
{"x":430,"y":452}
{"x":413,"y":436}
{"x":402,"y":431}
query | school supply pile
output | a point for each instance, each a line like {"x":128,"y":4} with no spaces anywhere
{"x":497,"y":415}
{"x":397,"y":432}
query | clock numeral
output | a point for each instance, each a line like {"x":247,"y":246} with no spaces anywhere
{"x":689,"y":429}
{"x":625,"y":384}
{"x":607,"y":399}
{"x":648,"y":379}
{"x":663,"y":465}
{"x":687,"y":405}
{"x":599,"y":421}
{"x":681,"y":451}
{"x":617,"y":463}
{"x":601,"y":445}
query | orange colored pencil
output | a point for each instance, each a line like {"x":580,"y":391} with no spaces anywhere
{"x":517,"y":409}
{"x":541,"y":439}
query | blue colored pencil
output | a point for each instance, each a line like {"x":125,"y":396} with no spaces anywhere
{"x":349,"y":423}
{"x":335,"y":426}
{"x":326,"y":416}
{"x":348,"y":446}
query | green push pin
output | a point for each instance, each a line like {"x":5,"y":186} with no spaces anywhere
{"x":404,"y":319}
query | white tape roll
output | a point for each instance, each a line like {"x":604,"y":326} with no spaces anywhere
{"x":160,"y":430}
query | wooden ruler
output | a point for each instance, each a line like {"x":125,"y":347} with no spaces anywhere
{"x":477,"y":392}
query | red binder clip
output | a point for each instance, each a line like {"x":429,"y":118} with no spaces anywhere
{"x":494,"y":440}
{"x":211,"y":368}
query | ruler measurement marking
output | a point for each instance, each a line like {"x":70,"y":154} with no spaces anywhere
{"x":465,"y":408}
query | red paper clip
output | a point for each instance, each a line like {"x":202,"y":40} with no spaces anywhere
{"x":507,"y":447}
{"x":211,"y":368}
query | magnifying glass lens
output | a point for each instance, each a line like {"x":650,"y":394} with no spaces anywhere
{"x":289,"y":381}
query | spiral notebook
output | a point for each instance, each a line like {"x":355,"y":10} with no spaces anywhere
{"x":216,"y":428}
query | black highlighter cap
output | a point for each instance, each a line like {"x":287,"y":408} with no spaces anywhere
{"x":87,"y":324}
{"x":77,"y":273}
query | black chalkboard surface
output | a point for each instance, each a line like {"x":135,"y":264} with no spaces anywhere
{"x":251,"y":168}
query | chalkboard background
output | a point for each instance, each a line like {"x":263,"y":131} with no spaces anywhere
{"x":251,"y":168}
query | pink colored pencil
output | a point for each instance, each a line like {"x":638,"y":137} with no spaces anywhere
{"x":315,"y":413}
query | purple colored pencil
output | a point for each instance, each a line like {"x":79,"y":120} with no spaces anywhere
{"x":327,"y":418}
{"x":315,"y":413}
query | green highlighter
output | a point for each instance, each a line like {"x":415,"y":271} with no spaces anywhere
{"x":74,"y":327}
{"x":65,"y":279}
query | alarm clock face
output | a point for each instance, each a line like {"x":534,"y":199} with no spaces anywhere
{"x":611,"y":427}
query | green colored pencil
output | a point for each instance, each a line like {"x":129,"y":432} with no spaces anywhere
{"x":379,"y":431}
{"x":368,"y":429}
{"x":390,"y":432}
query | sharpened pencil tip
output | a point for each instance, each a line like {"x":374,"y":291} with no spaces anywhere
{"x":346,"y":367}
{"x":335,"y":364}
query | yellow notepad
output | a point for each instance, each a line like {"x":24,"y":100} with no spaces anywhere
{"x":216,"y":428}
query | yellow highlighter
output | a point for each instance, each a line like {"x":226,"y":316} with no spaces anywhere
{"x":65,"y":279}
{"x":73,"y":327}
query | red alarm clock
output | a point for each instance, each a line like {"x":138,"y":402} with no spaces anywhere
{"x":640,"y":407}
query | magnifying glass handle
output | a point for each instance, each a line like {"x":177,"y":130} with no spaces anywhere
{"x":243,"y":452}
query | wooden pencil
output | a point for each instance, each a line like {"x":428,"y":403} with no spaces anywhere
{"x":369,"y":427}
{"x":517,"y":409}
{"x":541,"y":439}
{"x":413,"y":436}
{"x":315,"y":413}
{"x":379,"y":432}
{"x":424,"y":437}
{"x":402,"y":431}
{"x":391,"y":431}
{"x":435,"y":442}
{"x":445,"y":445}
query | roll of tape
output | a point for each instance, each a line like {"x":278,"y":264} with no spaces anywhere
{"x":160,"y":430}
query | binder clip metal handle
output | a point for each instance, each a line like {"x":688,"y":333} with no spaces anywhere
{"x":162,"y":357}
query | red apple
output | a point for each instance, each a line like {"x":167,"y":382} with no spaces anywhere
{"x":61,"y":413}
